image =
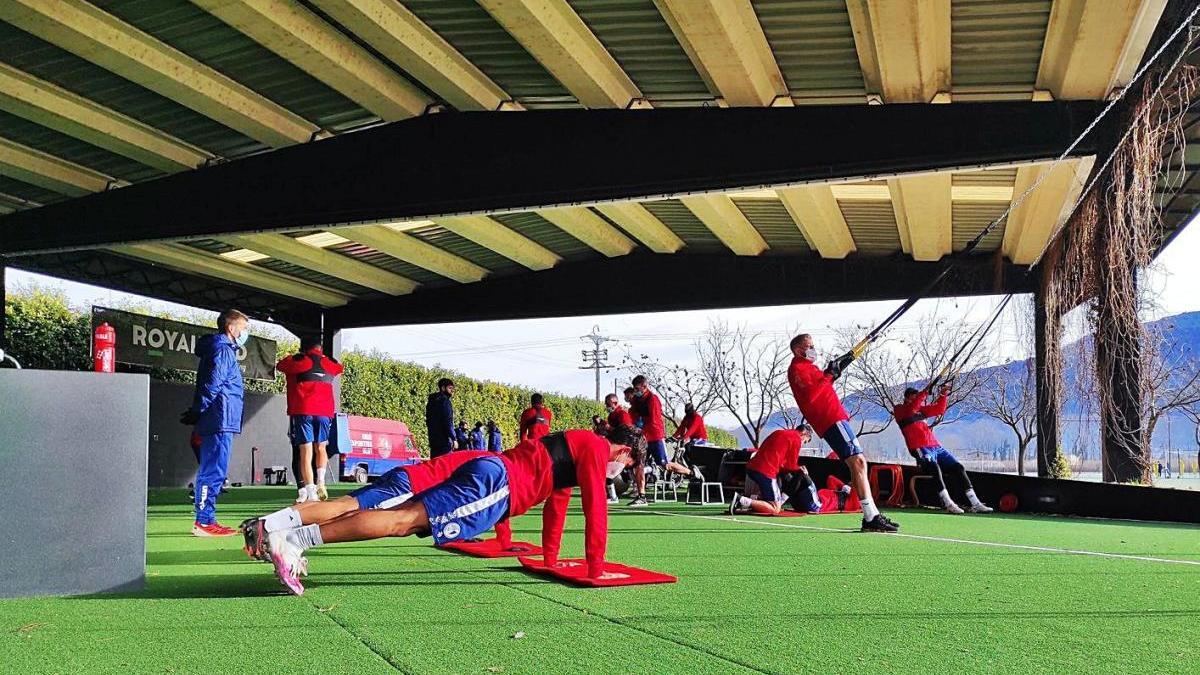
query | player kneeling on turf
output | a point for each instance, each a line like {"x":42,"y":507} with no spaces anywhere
{"x":779,"y":454}
{"x":482,"y":492}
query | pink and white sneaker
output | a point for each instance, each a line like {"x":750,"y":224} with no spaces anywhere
{"x":289,"y":563}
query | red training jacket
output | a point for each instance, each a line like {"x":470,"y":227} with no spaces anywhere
{"x":535,"y":422}
{"x":648,"y":410}
{"x":691,"y":427}
{"x":619,"y":416}
{"x":911,"y":418}
{"x":310,"y":383}
{"x":531,"y":482}
{"x":815,"y":397}
{"x":780,"y":453}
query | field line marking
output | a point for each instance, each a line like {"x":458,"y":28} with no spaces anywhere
{"x":951,"y":540}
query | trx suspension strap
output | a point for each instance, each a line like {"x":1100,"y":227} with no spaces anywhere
{"x":954,"y":366}
{"x":858,"y":349}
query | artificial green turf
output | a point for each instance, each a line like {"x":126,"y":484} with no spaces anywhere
{"x":765,"y":595}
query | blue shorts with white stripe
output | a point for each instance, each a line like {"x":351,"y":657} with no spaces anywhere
{"x":470,"y":502}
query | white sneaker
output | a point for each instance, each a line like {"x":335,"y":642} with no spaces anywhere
{"x":302,"y":495}
{"x":313,"y":496}
{"x":951,"y":507}
{"x":980,"y":507}
{"x":288,"y":561}
{"x":322,"y":492}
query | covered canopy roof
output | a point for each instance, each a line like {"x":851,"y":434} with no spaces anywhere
{"x":428,"y":160}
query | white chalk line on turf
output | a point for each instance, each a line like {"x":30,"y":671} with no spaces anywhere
{"x":949,"y":540}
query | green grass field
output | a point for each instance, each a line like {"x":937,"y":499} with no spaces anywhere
{"x":755,"y":595}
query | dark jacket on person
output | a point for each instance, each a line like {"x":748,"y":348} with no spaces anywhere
{"x":495,"y":440}
{"x":439,"y":422}
{"x":219,"y":387}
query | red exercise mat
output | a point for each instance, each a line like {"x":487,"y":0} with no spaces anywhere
{"x":574,"y":571}
{"x":782,"y":514}
{"x":490,"y":548}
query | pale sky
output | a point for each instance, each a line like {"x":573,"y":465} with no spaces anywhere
{"x":546,"y":353}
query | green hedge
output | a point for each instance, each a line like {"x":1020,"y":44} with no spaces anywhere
{"x":44,"y":332}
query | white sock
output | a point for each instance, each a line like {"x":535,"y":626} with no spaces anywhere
{"x":973,"y":499}
{"x":869,"y":510}
{"x":321,"y":476}
{"x":744,"y":502}
{"x":945,"y":495}
{"x":845,"y":489}
{"x":306,"y":537}
{"x":283,"y":519}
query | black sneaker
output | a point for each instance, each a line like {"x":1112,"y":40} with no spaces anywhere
{"x":733,"y":505}
{"x":254,"y":538}
{"x":879,"y":524}
{"x":639,"y":500}
{"x":889,"y":521}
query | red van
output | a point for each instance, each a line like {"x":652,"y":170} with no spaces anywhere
{"x":375,"y":446}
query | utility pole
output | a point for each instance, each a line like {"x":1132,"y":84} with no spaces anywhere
{"x":594,"y":358}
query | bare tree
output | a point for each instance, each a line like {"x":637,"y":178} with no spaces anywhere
{"x":1171,"y":380}
{"x":1008,"y":396}
{"x":675,"y":384}
{"x":876,"y":381}
{"x":747,"y":372}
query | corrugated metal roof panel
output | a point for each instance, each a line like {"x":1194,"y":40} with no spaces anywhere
{"x":74,"y":150}
{"x":206,"y":38}
{"x":686,"y":225}
{"x":314,"y":276}
{"x":640,"y":40}
{"x":43,"y":60}
{"x":986,"y":178}
{"x":384,"y":261}
{"x":465,"y":248}
{"x":813,"y":45}
{"x":472,"y":31}
{"x":872,"y":223}
{"x":969,"y":220}
{"x":547,"y":234}
{"x":996,"y":45}
{"x":25,"y":191}
{"x":772,"y":220}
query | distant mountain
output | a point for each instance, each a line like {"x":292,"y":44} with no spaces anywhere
{"x":985,"y":435}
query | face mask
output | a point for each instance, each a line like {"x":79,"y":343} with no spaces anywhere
{"x":243,"y":338}
{"x":811,"y":353}
{"x":614,"y":469}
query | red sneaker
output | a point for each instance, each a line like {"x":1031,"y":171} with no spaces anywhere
{"x":212,"y":530}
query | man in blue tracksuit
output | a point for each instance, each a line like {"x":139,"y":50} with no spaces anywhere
{"x":495,"y":440}
{"x":216,"y":413}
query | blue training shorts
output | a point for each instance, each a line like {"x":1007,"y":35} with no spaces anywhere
{"x":392,"y":489}
{"x":657,"y":450}
{"x":470,"y":502}
{"x":936,"y":454}
{"x":309,"y":429}
{"x":768,"y":488}
{"x":841,"y":440}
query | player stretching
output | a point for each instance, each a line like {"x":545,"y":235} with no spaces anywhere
{"x":820,"y":405}
{"x":924,"y":446}
{"x":779,"y":454}
{"x":482,"y":492}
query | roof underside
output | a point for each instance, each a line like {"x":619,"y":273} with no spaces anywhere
{"x":213,"y":81}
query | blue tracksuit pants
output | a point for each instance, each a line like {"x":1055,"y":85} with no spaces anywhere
{"x":214,"y":466}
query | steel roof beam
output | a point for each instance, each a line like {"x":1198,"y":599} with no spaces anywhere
{"x":464,"y":171}
{"x":103,"y":39}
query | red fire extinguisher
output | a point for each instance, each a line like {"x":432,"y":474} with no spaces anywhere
{"x":104,"y":349}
